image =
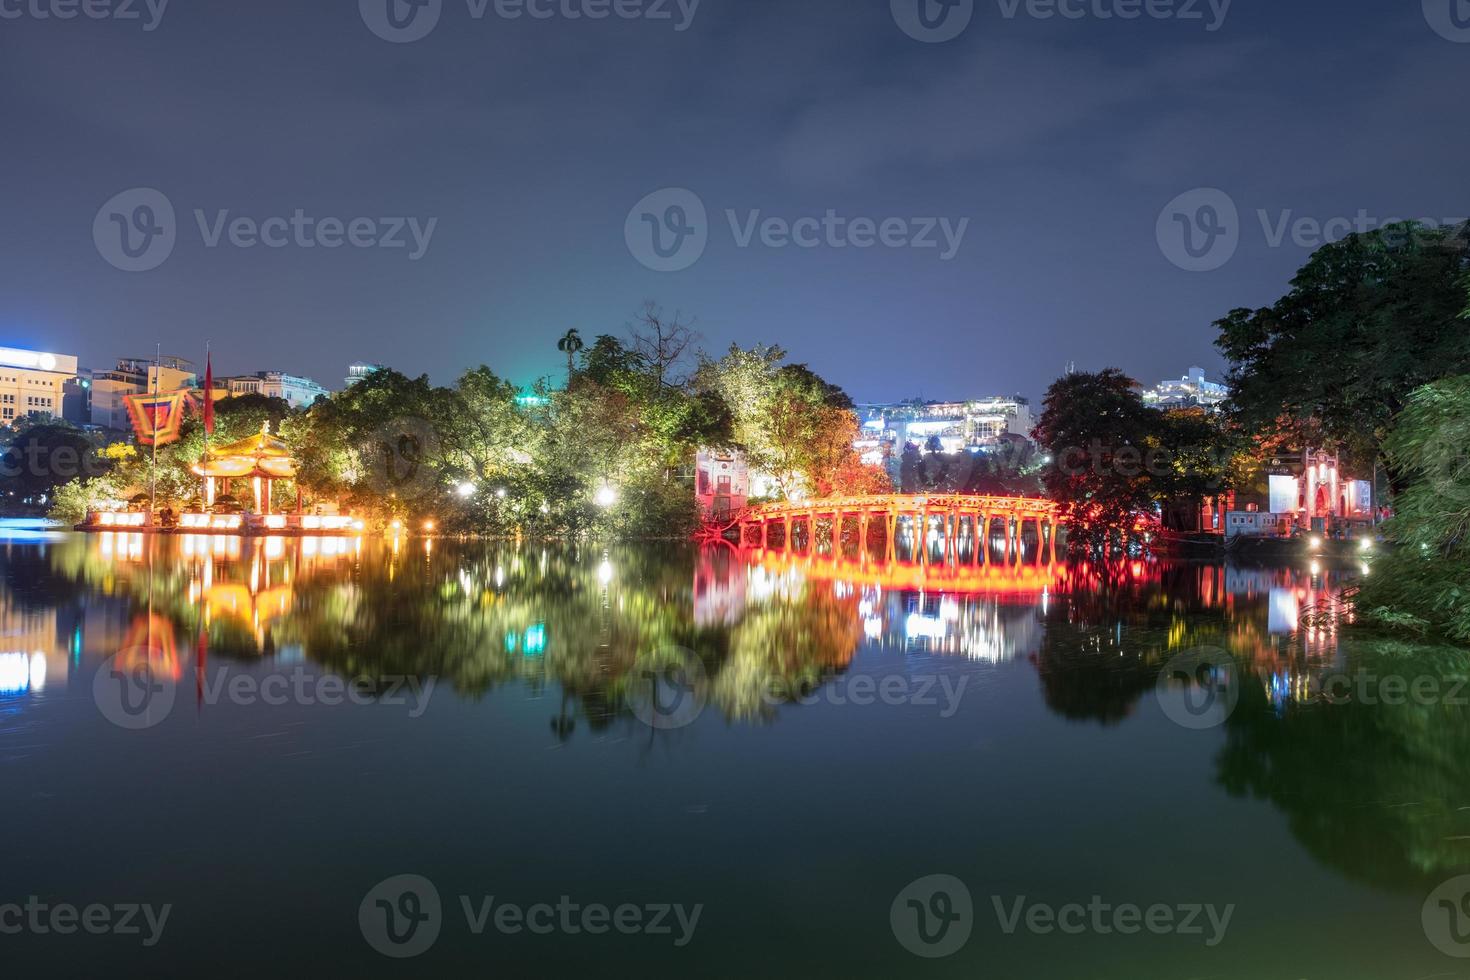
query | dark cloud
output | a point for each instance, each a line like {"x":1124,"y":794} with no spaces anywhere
{"x":530,"y":142}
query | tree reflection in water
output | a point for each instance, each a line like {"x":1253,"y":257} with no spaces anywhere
{"x":588,"y":621}
{"x":1377,"y":791}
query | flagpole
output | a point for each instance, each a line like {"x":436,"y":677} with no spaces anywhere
{"x":153,"y":469}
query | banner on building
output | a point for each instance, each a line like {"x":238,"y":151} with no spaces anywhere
{"x":157,"y":418}
{"x":1285,"y":494}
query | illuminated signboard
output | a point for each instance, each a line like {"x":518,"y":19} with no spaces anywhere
{"x":36,"y":360}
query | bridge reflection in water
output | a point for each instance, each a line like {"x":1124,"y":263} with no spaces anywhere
{"x":947,"y":575}
{"x":992,"y":613}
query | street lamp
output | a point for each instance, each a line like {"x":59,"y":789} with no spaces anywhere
{"x":605,"y":496}
{"x":465,"y":489}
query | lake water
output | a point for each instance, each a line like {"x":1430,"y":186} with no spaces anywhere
{"x":439,"y":759}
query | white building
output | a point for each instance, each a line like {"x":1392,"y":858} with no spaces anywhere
{"x":296,"y":391}
{"x":721,"y":483}
{"x":975,"y":424}
{"x":31,"y":383}
{"x":358,"y":370}
{"x":1190,"y":391}
{"x":136,"y":376}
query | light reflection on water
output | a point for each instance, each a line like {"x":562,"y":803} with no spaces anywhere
{"x":548,"y":641}
{"x":481,"y":615}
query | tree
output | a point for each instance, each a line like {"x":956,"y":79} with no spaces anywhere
{"x":1191,"y":457}
{"x":662,"y":343}
{"x":484,"y":432}
{"x":1097,"y":431}
{"x":376,"y":445}
{"x":793,"y":425}
{"x":569,"y":344}
{"x":43,"y":455}
{"x":1368,"y":320}
{"x":1424,"y":583}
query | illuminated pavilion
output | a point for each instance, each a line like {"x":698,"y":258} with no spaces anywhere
{"x":261,"y":458}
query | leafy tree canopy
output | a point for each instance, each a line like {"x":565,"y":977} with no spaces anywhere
{"x":1368,"y":320}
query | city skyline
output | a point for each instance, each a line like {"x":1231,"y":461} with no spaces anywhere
{"x":229,"y":380}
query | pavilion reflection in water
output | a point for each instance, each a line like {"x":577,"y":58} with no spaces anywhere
{"x":587,"y":616}
{"x":1375,"y":789}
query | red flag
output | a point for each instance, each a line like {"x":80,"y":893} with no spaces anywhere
{"x":208,"y":395}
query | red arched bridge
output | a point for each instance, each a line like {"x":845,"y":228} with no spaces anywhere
{"x":944,"y":521}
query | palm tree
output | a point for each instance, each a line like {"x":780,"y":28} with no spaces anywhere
{"x":570,"y":343}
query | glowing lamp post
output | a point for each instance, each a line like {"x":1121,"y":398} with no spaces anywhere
{"x":605,"y":496}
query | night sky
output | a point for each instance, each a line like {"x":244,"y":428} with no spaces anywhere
{"x":530,"y":141}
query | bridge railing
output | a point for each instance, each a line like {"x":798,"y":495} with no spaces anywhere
{"x":953,"y":512}
{"x":906,"y":503}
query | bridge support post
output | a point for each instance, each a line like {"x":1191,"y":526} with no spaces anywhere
{"x":921,"y":536}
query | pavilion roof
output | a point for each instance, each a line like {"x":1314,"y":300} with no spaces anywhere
{"x":261,"y":454}
{"x":260,"y":445}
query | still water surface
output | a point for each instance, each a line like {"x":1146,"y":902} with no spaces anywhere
{"x":782,"y":745}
